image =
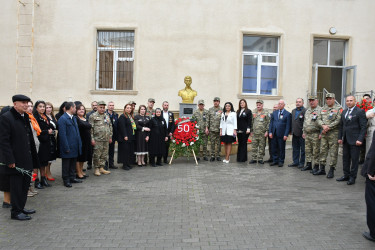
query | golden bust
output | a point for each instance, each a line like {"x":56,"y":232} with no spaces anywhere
{"x":187,"y":94}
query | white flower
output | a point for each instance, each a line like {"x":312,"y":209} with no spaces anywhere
{"x":191,"y":143}
{"x":197,"y":138}
{"x":174,"y":141}
{"x":183,"y":145}
{"x":197,"y":126}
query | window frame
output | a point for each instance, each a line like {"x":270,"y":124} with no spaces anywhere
{"x":115,"y":59}
{"x":260,"y":56}
{"x":329,"y":40}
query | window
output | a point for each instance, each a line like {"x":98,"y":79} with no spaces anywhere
{"x":260,"y":65}
{"x":329,"y":52}
{"x":115,"y":60}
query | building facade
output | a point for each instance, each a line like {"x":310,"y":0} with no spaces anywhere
{"x":115,"y":50}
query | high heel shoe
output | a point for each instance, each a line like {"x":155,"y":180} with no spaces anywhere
{"x":37,"y":184}
{"x":44,"y":182}
{"x":50,"y":178}
{"x":81,"y":178}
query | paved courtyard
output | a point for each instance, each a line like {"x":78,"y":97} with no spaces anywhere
{"x":183,"y":206}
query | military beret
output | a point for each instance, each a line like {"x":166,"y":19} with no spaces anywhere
{"x":332,"y":95}
{"x":20,"y":98}
{"x":200,"y":102}
{"x":151,"y":100}
{"x":312,"y":97}
{"x":102,"y":103}
{"x":260,"y":101}
{"x":217,"y":99}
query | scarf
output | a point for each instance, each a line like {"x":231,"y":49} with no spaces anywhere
{"x":35,"y":124}
{"x":44,"y":118}
{"x":134,"y":127}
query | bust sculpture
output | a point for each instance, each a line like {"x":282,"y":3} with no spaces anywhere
{"x":187,"y":94}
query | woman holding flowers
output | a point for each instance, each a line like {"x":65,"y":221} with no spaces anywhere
{"x":126,"y":137}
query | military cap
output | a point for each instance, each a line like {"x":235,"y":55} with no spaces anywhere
{"x":217,"y":99}
{"x":200,"y":102}
{"x":102,"y":103}
{"x":312,"y":97}
{"x":332,"y":95}
{"x":260,"y":101}
{"x":20,"y":98}
{"x":151,"y":100}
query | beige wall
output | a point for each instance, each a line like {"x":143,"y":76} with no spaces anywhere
{"x":175,"y":38}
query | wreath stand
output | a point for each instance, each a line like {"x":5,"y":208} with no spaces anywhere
{"x":195,"y":158}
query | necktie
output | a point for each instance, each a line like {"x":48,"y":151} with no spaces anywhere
{"x":348,"y":113}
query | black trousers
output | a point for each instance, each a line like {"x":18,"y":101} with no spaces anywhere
{"x":152,"y":159}
{"x":69,"y":168}
{"x":298,"y":144}
{"x":270,"y":147}
{"x":111,"y":154}
{"x":278,"y":149}
{"x":242,"y":147}
{"x":350,"y":157}
{"x":89,"y":157}
{"x":19,"y":185}
{"x":370,"y":205}
{"x":165,"y":156}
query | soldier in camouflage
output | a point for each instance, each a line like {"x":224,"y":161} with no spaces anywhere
{"x":329,"y":120}
{"x":261,"y":122}
{"x":150,"y":111}
{"x":311,"y":134}
{"x":201,"y":115}
{"x":101,"y":135}
{"x":214,"y":116}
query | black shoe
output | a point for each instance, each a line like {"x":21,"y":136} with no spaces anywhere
{"x":44,"y":182}
{"x":252,"y":162}
{"x":261,"y":162}
{"x":75,"y":181}
{"x":280,"y":165}
{"x":166,"y":161}
{"x":274,"y":164}
{"x":159,"y":164}
{"x":20,"y":216}
{"x":130,"y":167}
{"x":321,"y":171}
{"x":368,"y":236}
{"x":89,"y":166}
{"x":343,"y":178}
{"x":269,"y":160}
{"x":113,"y":167}
{"x":331,"y":174}
{"x":80,"y":178}
{"x":205,"y":158}
{"x":28,"y":211}
{"x":292,"y":165}
{"x":153,"y":165}
{"x":67,"y":183}
{"x":351,"y":181}
{"x":125,"y":168}
{"x":38,"y":185}
{"x":212,"y":159}
{"x":307,"y":167}
{"x":218,"y":158}
{"x":198,"y":159}
{"x":300,"y":166}
{"x":315,"y":169}
{"x":6,"y":205}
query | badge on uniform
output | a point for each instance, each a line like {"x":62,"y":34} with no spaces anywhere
{"x":281,"y":117}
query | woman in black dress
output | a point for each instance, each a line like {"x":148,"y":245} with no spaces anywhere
{"x":47,"y":146}
{"x":244,"y":123}
{"x":158,"y":137}
{"x":141,"y":135}
{"x":53,"y":121}
{"x":84,"y":131}
{"x":126,"y":137}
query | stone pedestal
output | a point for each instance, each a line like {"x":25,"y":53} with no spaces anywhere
{"x":187,"y":109}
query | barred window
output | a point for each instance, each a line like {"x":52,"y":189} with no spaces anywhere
{"x":115,"y":60}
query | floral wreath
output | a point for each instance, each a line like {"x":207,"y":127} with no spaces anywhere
{"x":185,"y":137}
{"x":365,"y":105}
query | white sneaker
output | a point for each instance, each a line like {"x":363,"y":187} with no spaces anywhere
{"x":225,"y":161}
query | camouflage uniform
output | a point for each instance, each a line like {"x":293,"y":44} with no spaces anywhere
{"x":261,"y":122}
{"x":311,"y":130}
{"x":101,"y":132}
{"x":214,"y":116}
{"x":330,"y":116}
{"x":150,"y":113}
{"x":202,"y":121}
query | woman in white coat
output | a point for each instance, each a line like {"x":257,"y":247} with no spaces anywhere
{"x":370,"y":115}
{"x":228,"y":129}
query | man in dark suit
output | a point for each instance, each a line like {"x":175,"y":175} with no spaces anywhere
{"x":70,"y":144}
{"x":279,"y":130}
{"x":368,"y":171}
{"x":94,"y":106}
{"x":169,"y":119}
{"x":298,"y":143}
{"x":351,"y":135}
{"x":113,"y":116}
{"x":18,"y":151}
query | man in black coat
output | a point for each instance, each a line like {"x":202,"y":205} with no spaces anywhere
{"x":351,"y":135}
{"x":298,"y":143}
{"x":368,"y":171}
{"x":94,"y":106}
{"x":169,"y":119}
{"x":18,"y":150}
{"x":113,"y":116}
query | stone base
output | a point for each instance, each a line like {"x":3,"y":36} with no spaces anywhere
{"x":187,"y":109}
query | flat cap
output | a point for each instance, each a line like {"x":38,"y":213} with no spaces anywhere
{"x":332,"y":95}
{"x":312,"y":97}
{"x":260,"y":101}
{"x":200,"y":102}
{"x":217,"y":99}
{"x":151,"y":100}
{"x":20,"y":98}
{"x":101,"y":103}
